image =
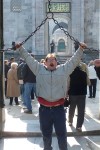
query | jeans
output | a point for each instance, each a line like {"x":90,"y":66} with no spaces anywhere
{"x":50,"y":117}
{"x":22,"y":93}
{"x":27,"y":94}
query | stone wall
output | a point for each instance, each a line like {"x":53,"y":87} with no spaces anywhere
{"x":18,"y":25}
{"x":91,"y":23}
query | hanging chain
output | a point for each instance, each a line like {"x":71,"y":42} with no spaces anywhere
{"x":71,"y":37}
{"x":65,"y":31}
{"x":50,"y":15}
{"x":38,"y":28}
{"x":13,"y":48}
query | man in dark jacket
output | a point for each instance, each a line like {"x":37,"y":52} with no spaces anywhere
{"x":77,"y":96}
{"x":97,"y":67}
{"x":20,"y":78}
{"x":29,"y":84}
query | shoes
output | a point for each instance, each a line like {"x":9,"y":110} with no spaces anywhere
{"x":89,"y":97}
{"x":24,"y":107}
{"x":79,"y":129}
{"x":17,"y":103}
{"x":10,"y":104}
{"x":7,"y":97}
{"x":28,"y":111}
{"x":70,"y":124}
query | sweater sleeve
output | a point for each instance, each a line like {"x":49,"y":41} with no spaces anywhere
{"x":74,"y":61}
{"x":31,"y":62}
{"x":97,"y":69}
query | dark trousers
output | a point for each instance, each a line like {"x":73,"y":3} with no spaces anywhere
{"x":78,"y":101}
{"x":32,"y":94}
{"x":92,"y":88}
{"x":16,"y":100}
{"x":50,"y":117}
{"x":5,"y":87}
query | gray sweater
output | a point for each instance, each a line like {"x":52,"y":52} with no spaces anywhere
{"x":51,"y":85}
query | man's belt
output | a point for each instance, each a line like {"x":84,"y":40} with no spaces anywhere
{"x":51,"y":107}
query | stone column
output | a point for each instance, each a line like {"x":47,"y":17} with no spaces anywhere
{"x":34,"y":26}
{"x":2,"y":118}
{"x":99,"y":54}
{"x":39,"y":38}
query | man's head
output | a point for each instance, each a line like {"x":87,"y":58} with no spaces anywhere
{"x":6,"y":62}
{"x":51,"y":61}
{"x":12,"y":59}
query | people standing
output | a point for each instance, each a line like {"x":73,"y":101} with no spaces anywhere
{"x":51,"y":91}
{"x":93,"y":80}
{"x":77,"y":96}
{"x":52,"y":46}
{"x":29,"y":86}
{"x":20,"y":78}
{"x":13,"y":88}
{"x":6,"y":68}
{"x":12,"y":59}
{"x":97,"y":67}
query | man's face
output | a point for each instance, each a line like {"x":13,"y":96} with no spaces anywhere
{"x":51,"y":63}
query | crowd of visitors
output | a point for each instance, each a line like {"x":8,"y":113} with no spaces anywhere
{"x":18,"y":80}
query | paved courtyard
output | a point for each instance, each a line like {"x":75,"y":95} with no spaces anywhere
{"x":17,"y":121}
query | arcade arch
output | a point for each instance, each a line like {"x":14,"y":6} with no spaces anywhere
{"x":62,"y":42}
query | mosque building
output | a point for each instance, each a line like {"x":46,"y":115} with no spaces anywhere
{"x":79,"y":19}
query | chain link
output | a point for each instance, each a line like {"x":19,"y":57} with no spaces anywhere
{"x":50,"y":15}
{"x":38,"y":28}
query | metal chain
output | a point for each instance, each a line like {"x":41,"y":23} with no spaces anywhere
{"x":66,"y":32}
{"x":71,"y":37}
{"x":42,"y":23}
{"x":50,"y":15}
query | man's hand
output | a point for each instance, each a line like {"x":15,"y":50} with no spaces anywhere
{"x":82,"y":46}
{"x":97,"y":62}
{"x":17,"y":46}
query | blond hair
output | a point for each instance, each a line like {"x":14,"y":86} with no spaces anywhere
{"x":14,"y":65}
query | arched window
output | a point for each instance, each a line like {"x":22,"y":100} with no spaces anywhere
{"x":61,"y":45}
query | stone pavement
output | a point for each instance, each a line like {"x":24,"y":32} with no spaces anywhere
{"x":18,"y":121}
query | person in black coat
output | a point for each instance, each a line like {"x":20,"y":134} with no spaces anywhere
{"x":77,"y":96}
{"x":29,"y":85}
{"x":97,"y":67}
{"x":20,"y":78}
